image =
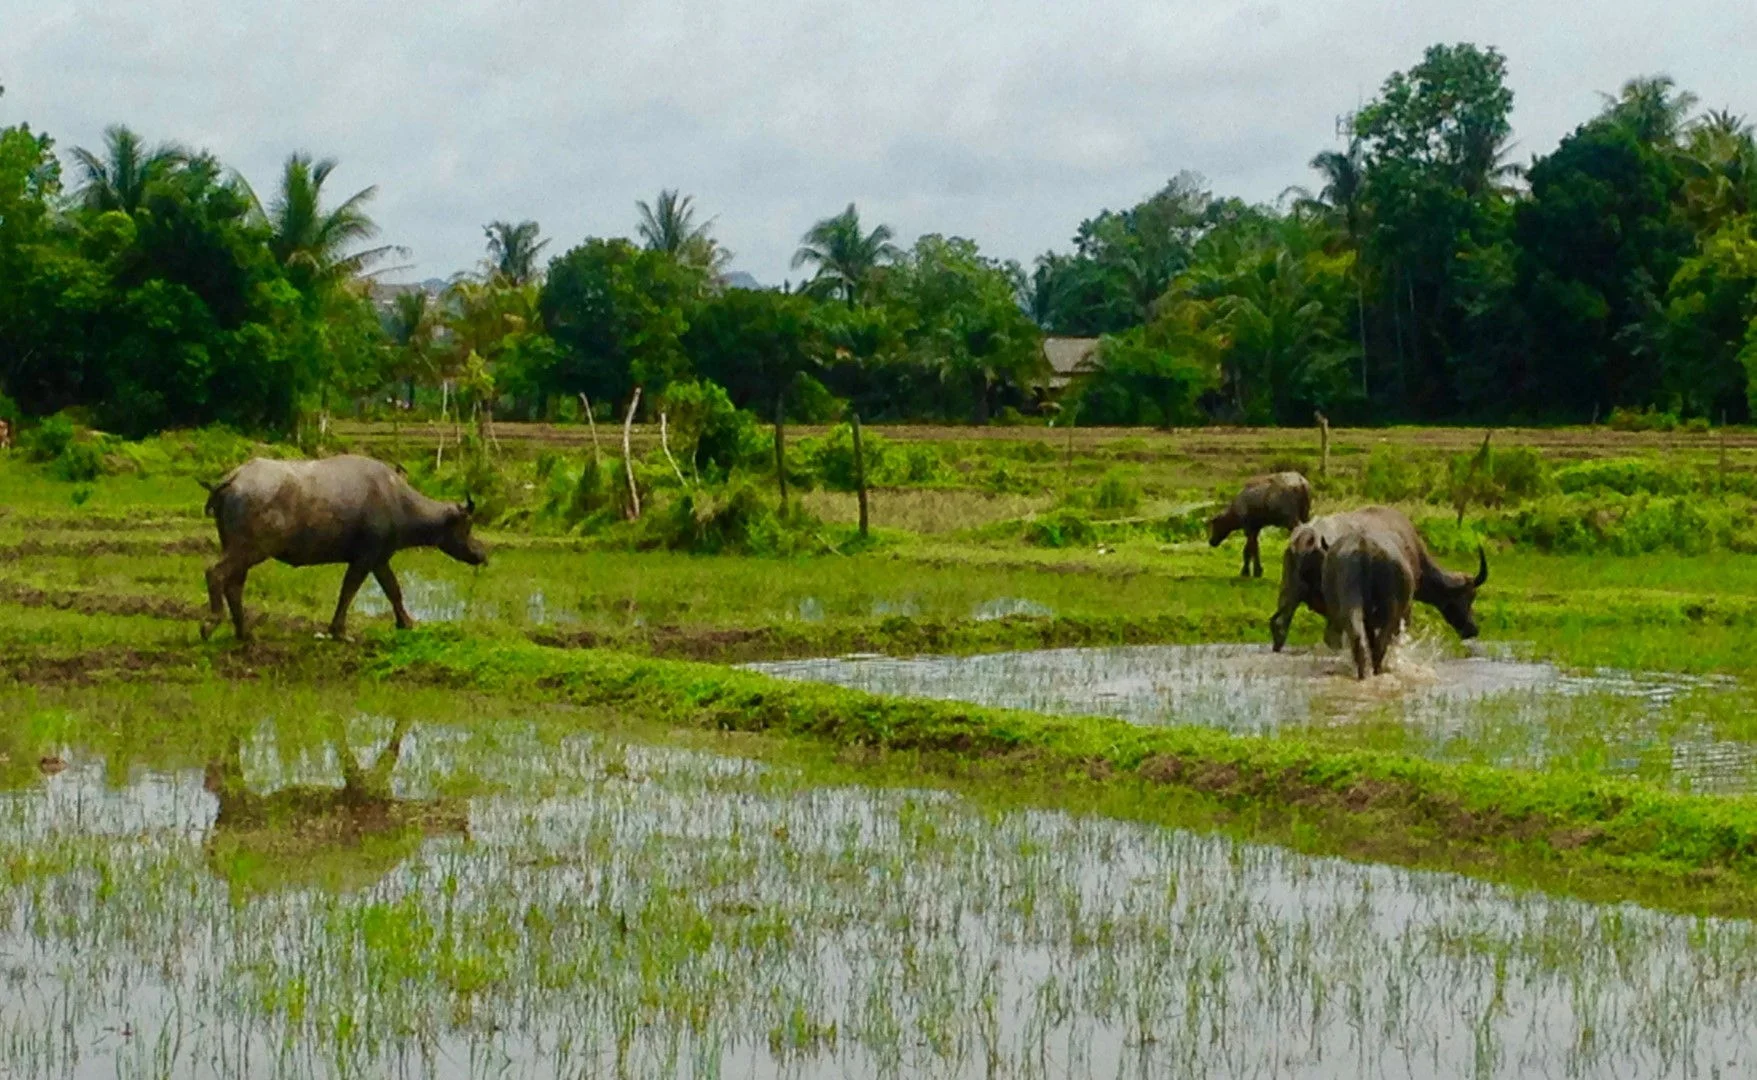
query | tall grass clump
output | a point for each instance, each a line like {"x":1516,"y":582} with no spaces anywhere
{"x":735,"y":519}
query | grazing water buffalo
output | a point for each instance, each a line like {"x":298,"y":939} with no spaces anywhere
{"x":1367,"y":592}
{"x":1283,"y":499}
{"x":346,"y":509}
{"x":1302,"y":570}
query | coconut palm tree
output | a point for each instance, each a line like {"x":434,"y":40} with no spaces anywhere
{"x":1342,"y":199}
{"x":1653,"y":107}
{"x":669,"y":225}
{"x":513,"y":251}
{"x":118,"y":179}
{"x":312,"y":243}
{"x":845,"y":255}
{"x":1719,"y":161}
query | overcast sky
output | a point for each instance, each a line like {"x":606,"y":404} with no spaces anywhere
{"x":1004,"y":121}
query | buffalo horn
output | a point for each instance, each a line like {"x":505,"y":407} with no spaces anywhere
{"x":1482,"y":564}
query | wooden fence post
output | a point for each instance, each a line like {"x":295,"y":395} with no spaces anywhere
{"x":1323,"y":443}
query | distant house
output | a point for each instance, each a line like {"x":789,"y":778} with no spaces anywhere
{"x":1067,"y":357}
{"x":384,"y":294}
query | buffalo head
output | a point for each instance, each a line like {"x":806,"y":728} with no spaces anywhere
{"x":1456,"y":595}
{"x":1220,"y":527}
{"x":455,"y":540}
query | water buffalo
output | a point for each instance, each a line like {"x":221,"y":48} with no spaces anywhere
{"x":1368,"y":587}
{"x":1283,"y":499}
{"x":1302,"y":569}
{"x":346,"y":509}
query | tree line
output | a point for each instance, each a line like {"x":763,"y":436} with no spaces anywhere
{"x":1424,"y":277}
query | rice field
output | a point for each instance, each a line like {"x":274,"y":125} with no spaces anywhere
{"x":899,"y":810}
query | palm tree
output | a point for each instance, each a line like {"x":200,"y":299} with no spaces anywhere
{"x":844,"y":255}
{"x":1653,"y":107}
{"x":1343,"y":198}
{"x":414,"y":324}
{"x":513,"y":251}
{"x":1720,"y":167}
{"x":669,"y":225}
{"x":312,"y":243}
{"x":118,"y":179}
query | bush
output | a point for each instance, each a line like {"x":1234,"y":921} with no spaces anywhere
{"x":1060,"y":529}
{"x":736,"y":519}
{"x":1633,"y":525}
{"x":1622,"y":419}
{"x":1393,"y":476}
{"x":1117,"y":494}
{"x":831,"y":458}
{"x":709,"y":435}
{"x":1627,"y":476}
{"x":49,"y":439}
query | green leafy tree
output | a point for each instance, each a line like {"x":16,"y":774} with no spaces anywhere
{"x":845,"y":256}
{"x":618,"y":314}
{"x":1598,"y":240}
{"x":758,"y":344}
{"x":1156,"y":374}
{"x":965,"y":324}
{"x":1710,"y":341}
{"x":1434,"y":140}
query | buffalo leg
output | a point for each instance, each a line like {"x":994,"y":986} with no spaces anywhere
{"x":1381,"y":644}
{"x":235,"y":601}
{"x":393,"y":592}
{"x":216,"y":597}
{"x":1250,"y":550}
{"x":1254,"y":551}
{"x":351,"y":582}
{"x":1359,"y":639}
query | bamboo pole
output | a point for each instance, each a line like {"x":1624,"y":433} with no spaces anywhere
{"x":665,"y":445}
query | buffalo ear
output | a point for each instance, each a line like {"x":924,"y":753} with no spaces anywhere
{"x":469,"y":505}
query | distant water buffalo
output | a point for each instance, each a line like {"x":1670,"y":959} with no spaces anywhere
{"x":1302,"y":571}
{"x":347,"y":509}
{"x":1283,"y":499}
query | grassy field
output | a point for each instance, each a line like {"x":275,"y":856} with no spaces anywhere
{"x":1594,"y":747}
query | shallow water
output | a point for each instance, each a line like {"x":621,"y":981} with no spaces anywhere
{"x":634,"y":911}
{"x":1481,"y":707}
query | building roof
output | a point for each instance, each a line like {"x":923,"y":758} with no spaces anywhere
{"x":1067,"y":357}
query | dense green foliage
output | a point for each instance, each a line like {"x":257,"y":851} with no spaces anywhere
{"x":1424,"y":277}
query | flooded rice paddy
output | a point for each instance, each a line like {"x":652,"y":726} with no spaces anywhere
{"x":494,"y":902}
{"x":1676,"y":729}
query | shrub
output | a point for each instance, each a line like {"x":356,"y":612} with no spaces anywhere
{"x":709,"y":435}
{"x":1116,"y":493}
{"x":737,"y":518}
{"x":831,"y":458}
{"x":1060,"y":529}
{"x":1627,"y":476}
{"x":1622,"y":419}
{"x":49,"y":439}
{"x":1393,"y":476}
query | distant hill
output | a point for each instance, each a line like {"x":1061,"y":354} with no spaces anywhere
{"x":738,"y":279}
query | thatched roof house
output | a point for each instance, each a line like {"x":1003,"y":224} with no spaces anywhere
{"x":1067,"y":356}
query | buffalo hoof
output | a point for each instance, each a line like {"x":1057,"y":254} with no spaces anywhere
{"x":207,"y":631}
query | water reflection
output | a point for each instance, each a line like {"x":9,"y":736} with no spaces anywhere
{"x":635,"y":912}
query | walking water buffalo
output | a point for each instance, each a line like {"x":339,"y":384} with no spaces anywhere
{"x":346,"y":509}
{"x":1367,"y":592}
{"x":1302,"y":571}
{"x":1283,"y":499}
